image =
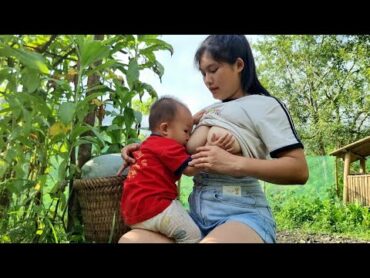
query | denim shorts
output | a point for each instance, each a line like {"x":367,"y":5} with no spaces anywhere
{"x":217,"y":199}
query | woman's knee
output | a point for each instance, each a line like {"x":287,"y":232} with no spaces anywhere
{"x":143,"y":236}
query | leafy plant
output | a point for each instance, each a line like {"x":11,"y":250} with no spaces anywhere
{"x":55,"y":92}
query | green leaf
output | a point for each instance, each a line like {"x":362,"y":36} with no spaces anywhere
{"x":88,"y":140}
{"x":39,"y":105}
{"x":42,"y":67}
{"x":118,"y":120}
{"x":155,"y":44}
{"x":133,"y":140}
{"x":132,"y":72}
{"x":150,"y":90}
{"x":116,"y":136}
{"x":143,"y":38}
{"x":77,"y":131}
{"x":114,"y":148}
{"x":138,"y":116}
{"x":98,"y":135}
{"x":30,"y":79}
{"x":108,"y":64}
{"x":73,"y":170}
{"x":158,"y":69}
{"x":82,"y":110}
{"x":62,"y":169}
{"x":125,"y":96}
{"x":30,"y":59}
{"x":52,"y":229}
{"x":14,"y":186}
{"x":66,"y":112}
{"x":42,"y":180}
{"x":3,"y":167}
{"x":4,"y":74}
{"x":113,"y":127}
{"x":90,"y":97}
{"x":92,"y":51}
{"x":81,"y":141}
{"x":16,"y":133}
{"x":129,"y":117}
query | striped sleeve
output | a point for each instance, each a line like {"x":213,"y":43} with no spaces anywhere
{"x":276,"y":129}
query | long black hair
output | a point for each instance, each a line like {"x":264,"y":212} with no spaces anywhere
{"x":228,"y":48}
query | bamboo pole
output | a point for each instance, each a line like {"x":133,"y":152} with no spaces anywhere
{"x":346,"y":171}
{"x":363,"y":166}
{"x":363,"y":190}
{"x":336,"y":176}
{"x":368,"y":191}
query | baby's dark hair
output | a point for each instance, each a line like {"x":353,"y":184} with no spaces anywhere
{"x":162,"y":110}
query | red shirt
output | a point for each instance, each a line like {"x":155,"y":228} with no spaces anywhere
{"x":150,"y":186}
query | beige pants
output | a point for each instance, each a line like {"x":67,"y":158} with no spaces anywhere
{"x":174,"y":222}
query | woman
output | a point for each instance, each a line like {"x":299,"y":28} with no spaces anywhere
{"x":227,"y":201}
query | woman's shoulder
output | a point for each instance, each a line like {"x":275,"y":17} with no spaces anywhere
{"x":258,"y":101}
{"x":213,"y":106}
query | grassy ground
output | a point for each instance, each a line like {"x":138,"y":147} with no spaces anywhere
{"x":185,"y":189}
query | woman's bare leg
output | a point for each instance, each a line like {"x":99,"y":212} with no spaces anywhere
{"x":232,"y":232}
{"x":143,"y":236}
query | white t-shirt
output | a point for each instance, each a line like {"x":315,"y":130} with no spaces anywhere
{"x":261,"y":124}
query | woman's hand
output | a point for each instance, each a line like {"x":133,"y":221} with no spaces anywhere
{"x":225,"y":141}
{"x":126,"y":154}
{"x":213,"y":159}
{"x":197,"y":116}
{"x":290,"y":167}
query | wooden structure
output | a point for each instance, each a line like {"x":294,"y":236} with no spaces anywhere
{"x":356,"y":186}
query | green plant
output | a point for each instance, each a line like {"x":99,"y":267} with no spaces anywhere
{"x":55,"y":91}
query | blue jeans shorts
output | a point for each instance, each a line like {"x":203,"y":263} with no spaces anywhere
{"x":217,"y":199}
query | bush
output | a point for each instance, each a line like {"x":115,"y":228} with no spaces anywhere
{"x":316,"y":215}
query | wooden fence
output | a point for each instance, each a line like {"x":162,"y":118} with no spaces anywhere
{"x":359,"y":189}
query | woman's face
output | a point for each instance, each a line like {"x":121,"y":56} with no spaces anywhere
{"x":222,"y":79}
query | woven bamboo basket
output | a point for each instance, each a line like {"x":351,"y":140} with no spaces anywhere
{"x":99,"y":200}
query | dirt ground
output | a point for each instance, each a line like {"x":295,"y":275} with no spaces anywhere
{"x":298,"y":237}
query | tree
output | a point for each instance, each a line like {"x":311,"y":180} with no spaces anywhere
{"x":324,"y":81}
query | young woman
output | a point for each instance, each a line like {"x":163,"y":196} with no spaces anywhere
{"x":227,"y":202}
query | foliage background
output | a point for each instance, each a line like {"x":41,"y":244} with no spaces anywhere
{"x":55,"y":91}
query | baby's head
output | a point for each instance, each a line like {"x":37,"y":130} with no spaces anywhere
{"x":171,"y":118}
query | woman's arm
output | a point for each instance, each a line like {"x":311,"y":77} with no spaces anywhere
{"x":126,"y":152}
{"x":127,"y":159}
{"x":191,"y":171}
{"x":289,"y":168}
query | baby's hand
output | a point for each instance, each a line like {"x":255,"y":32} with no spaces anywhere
{"x":225,"y":141}
{"x":197,"y":116}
